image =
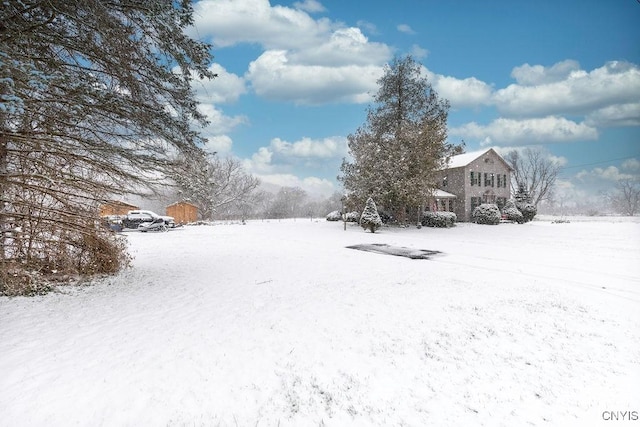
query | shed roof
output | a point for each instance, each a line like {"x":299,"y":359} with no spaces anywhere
{"x":119,"y":203}
{"x":182,"y":203}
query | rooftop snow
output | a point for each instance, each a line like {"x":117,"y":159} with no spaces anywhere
{"x":464,"y":159}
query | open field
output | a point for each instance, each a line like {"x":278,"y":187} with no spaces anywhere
{"x":278,"y":323}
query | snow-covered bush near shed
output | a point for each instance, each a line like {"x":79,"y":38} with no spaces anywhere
{"x":438,"y":219}
{"x":353,"y":216}
{"x":487,"y":213}
{"x":370,"y":220}
{"x":334,"y":216}
{"x":511,"y":212}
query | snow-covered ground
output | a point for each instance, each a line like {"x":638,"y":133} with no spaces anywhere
{"x":278,"y":323}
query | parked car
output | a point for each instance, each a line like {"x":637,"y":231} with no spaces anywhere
{"x":147,"y":220}
{"x":113,"y":222}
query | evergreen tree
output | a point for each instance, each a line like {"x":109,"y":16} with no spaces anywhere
{"x":370,"y":219}
{"x":93,"y":95}
{"x":524,"y":205}
{"x":397,"y":152}
{"x":522,"y":195}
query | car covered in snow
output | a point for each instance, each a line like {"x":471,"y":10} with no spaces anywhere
{"x":147,"y":220}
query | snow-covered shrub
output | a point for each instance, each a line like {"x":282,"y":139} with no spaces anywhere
{"x":353,"y":216}
{"x":334,"y":216}
{"x":370,"y":219}
{"x":528,"y":211}
{"x":438,"y":219}
{"x":511,"y":212}
{"x":487,"y":213}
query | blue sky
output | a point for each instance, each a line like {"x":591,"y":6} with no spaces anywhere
{"x":296,"y":78}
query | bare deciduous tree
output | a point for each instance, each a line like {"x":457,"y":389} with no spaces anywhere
{"x":534,"y":171}
{"x":214,"y":184}
{"x":288,"y":203}
{"x":626,"y":197}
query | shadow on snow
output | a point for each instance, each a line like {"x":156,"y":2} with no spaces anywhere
{"x":383,"y":248}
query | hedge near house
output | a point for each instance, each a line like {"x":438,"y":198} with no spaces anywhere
{"x":439,"y":219}
{"x":511,"y":212}
{"x":487,"y":213}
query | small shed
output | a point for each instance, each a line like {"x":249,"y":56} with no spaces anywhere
{"x":116,"y":207}
{"x":183,"y":212}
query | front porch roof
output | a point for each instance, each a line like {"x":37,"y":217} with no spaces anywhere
{"x":441,"y":194}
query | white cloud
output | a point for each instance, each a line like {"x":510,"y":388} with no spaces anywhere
{"x":610,"y":173}
{"x":260,"y":161}
{"x":344,"y":46}
{"x":229,"y":22}
{"x":331,"y":147}
{"x":404,"y":28}
{"x":526,"y":132}
{"x":323,"y":61}
{"x":281,"y":156}
{"x":558,"y":160}
{"x":533,"y":75}
{"x":225,"y":88}
{"x":220,"y":123}
{"x":311,"y":6}
{"x":419,"y":52}
{"x":321,"y":41}
{"x":273,"y":77}
{"x":631,"y":165}
{"x":579,"y":92}
{"x":218,"y":144}
{"x":469,"y":92}
{"x":616,"y":115}
{"x":606,"y":96}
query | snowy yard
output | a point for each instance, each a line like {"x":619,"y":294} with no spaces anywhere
{"x":278,"y":323}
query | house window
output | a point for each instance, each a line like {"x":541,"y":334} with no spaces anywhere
{"x":504,"y":180}
{"x":486,"y":179}
{"x":499,"y":181}
{"x":476,"y":178}
{"x":475,"y":202}
{"x":443,"y":205}
{"x":493,"y":175}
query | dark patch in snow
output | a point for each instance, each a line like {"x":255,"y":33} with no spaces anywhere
{"x":383,"y":248}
